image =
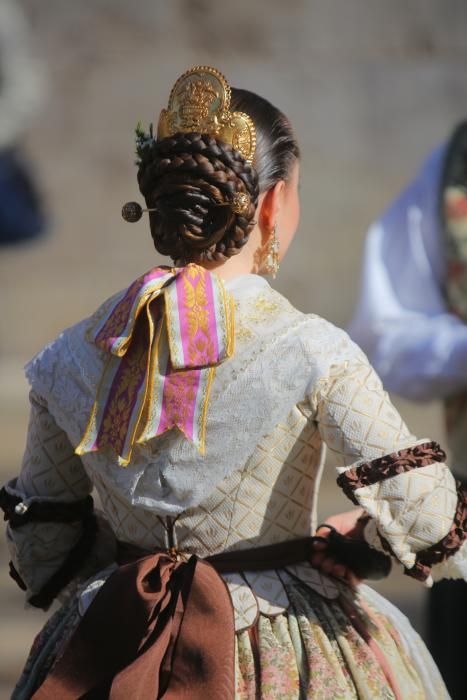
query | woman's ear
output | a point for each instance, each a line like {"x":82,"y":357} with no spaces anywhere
{"x":269,"y":209}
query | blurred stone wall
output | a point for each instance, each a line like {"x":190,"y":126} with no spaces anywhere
{"x":370,"y":86}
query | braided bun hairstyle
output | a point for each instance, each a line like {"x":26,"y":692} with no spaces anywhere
{"x":190,"y":180}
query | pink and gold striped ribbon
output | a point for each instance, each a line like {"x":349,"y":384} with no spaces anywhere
{"x":164,"y":337}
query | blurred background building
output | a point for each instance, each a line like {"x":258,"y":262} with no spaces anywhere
{"x":369,"y":85}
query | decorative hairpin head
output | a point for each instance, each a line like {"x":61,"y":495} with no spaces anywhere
{"x":132,"y":212}
{"x":200,"y":102}
{"x":240,"y":203}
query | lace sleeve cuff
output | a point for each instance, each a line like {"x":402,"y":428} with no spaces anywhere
{"x":418,"y":511}
{"x":448,"y":557}
{"x":369,"y":473}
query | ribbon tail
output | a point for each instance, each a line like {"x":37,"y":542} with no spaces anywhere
{"x":204,"y":660}
{"x":143,"y":401}
{"x":109,"y":636}
{"x":148,"y":675}
{"x":89,"y":440}
{"x":157,"y":364}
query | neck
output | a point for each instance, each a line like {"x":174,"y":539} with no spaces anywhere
{"x":244,"y":263}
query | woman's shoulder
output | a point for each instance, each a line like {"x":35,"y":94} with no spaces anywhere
{"x":267,"y":303}
{"x":66,"y":371}
{"x":264,"y":314}
{"x":71,"y":351}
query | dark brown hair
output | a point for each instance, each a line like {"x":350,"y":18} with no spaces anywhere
{"x":190,"y":180}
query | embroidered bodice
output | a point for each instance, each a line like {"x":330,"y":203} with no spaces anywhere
{"x":271,"y":499}
{"x":294,"y":384}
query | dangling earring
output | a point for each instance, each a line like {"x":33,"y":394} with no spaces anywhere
{"x":271,"y":264}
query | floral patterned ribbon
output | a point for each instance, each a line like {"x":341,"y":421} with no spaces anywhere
{"x":164,"y":336}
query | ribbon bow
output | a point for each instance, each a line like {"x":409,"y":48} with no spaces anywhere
{"x":158,"y":628}
{"x":164,"y":336}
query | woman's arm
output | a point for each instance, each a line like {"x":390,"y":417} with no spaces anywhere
{"x":51,"y":524}
{"x":418,"y":512}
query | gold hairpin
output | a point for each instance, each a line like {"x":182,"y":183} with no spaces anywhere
{"x":132,"y":211}
{"x":199,"y":102}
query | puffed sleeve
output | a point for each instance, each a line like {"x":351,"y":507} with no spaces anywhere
{"x":52,"y":528}
{"x":418,"y":511}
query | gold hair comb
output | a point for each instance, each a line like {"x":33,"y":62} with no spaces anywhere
{"x":200,"y":102}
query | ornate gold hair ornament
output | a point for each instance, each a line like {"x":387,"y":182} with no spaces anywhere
{"x":200,"y":102}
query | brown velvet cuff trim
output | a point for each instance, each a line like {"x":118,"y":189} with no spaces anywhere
{"x":448,"y":546}
{"x":18,"y":513}
{"x":389,"y":466}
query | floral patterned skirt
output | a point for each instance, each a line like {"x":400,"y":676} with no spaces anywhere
{"x":356,"y":646}
{"x":335,"y":649}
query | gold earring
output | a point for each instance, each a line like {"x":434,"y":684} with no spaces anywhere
{"x":271,"y":264}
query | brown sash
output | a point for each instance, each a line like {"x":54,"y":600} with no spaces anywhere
{"x":161,"y":627}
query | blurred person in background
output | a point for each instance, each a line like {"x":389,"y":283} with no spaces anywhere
{"x":198,"y":402}
{"x":411,"y":320}
{"x":21,"y":211}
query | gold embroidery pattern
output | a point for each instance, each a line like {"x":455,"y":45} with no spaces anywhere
{"x":201,"y":349}
{"x":117,"y":418}
{"x":179,"y":396}
{"x":256,"y":311}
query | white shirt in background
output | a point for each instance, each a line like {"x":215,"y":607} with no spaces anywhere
{"x":401,"y":321}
